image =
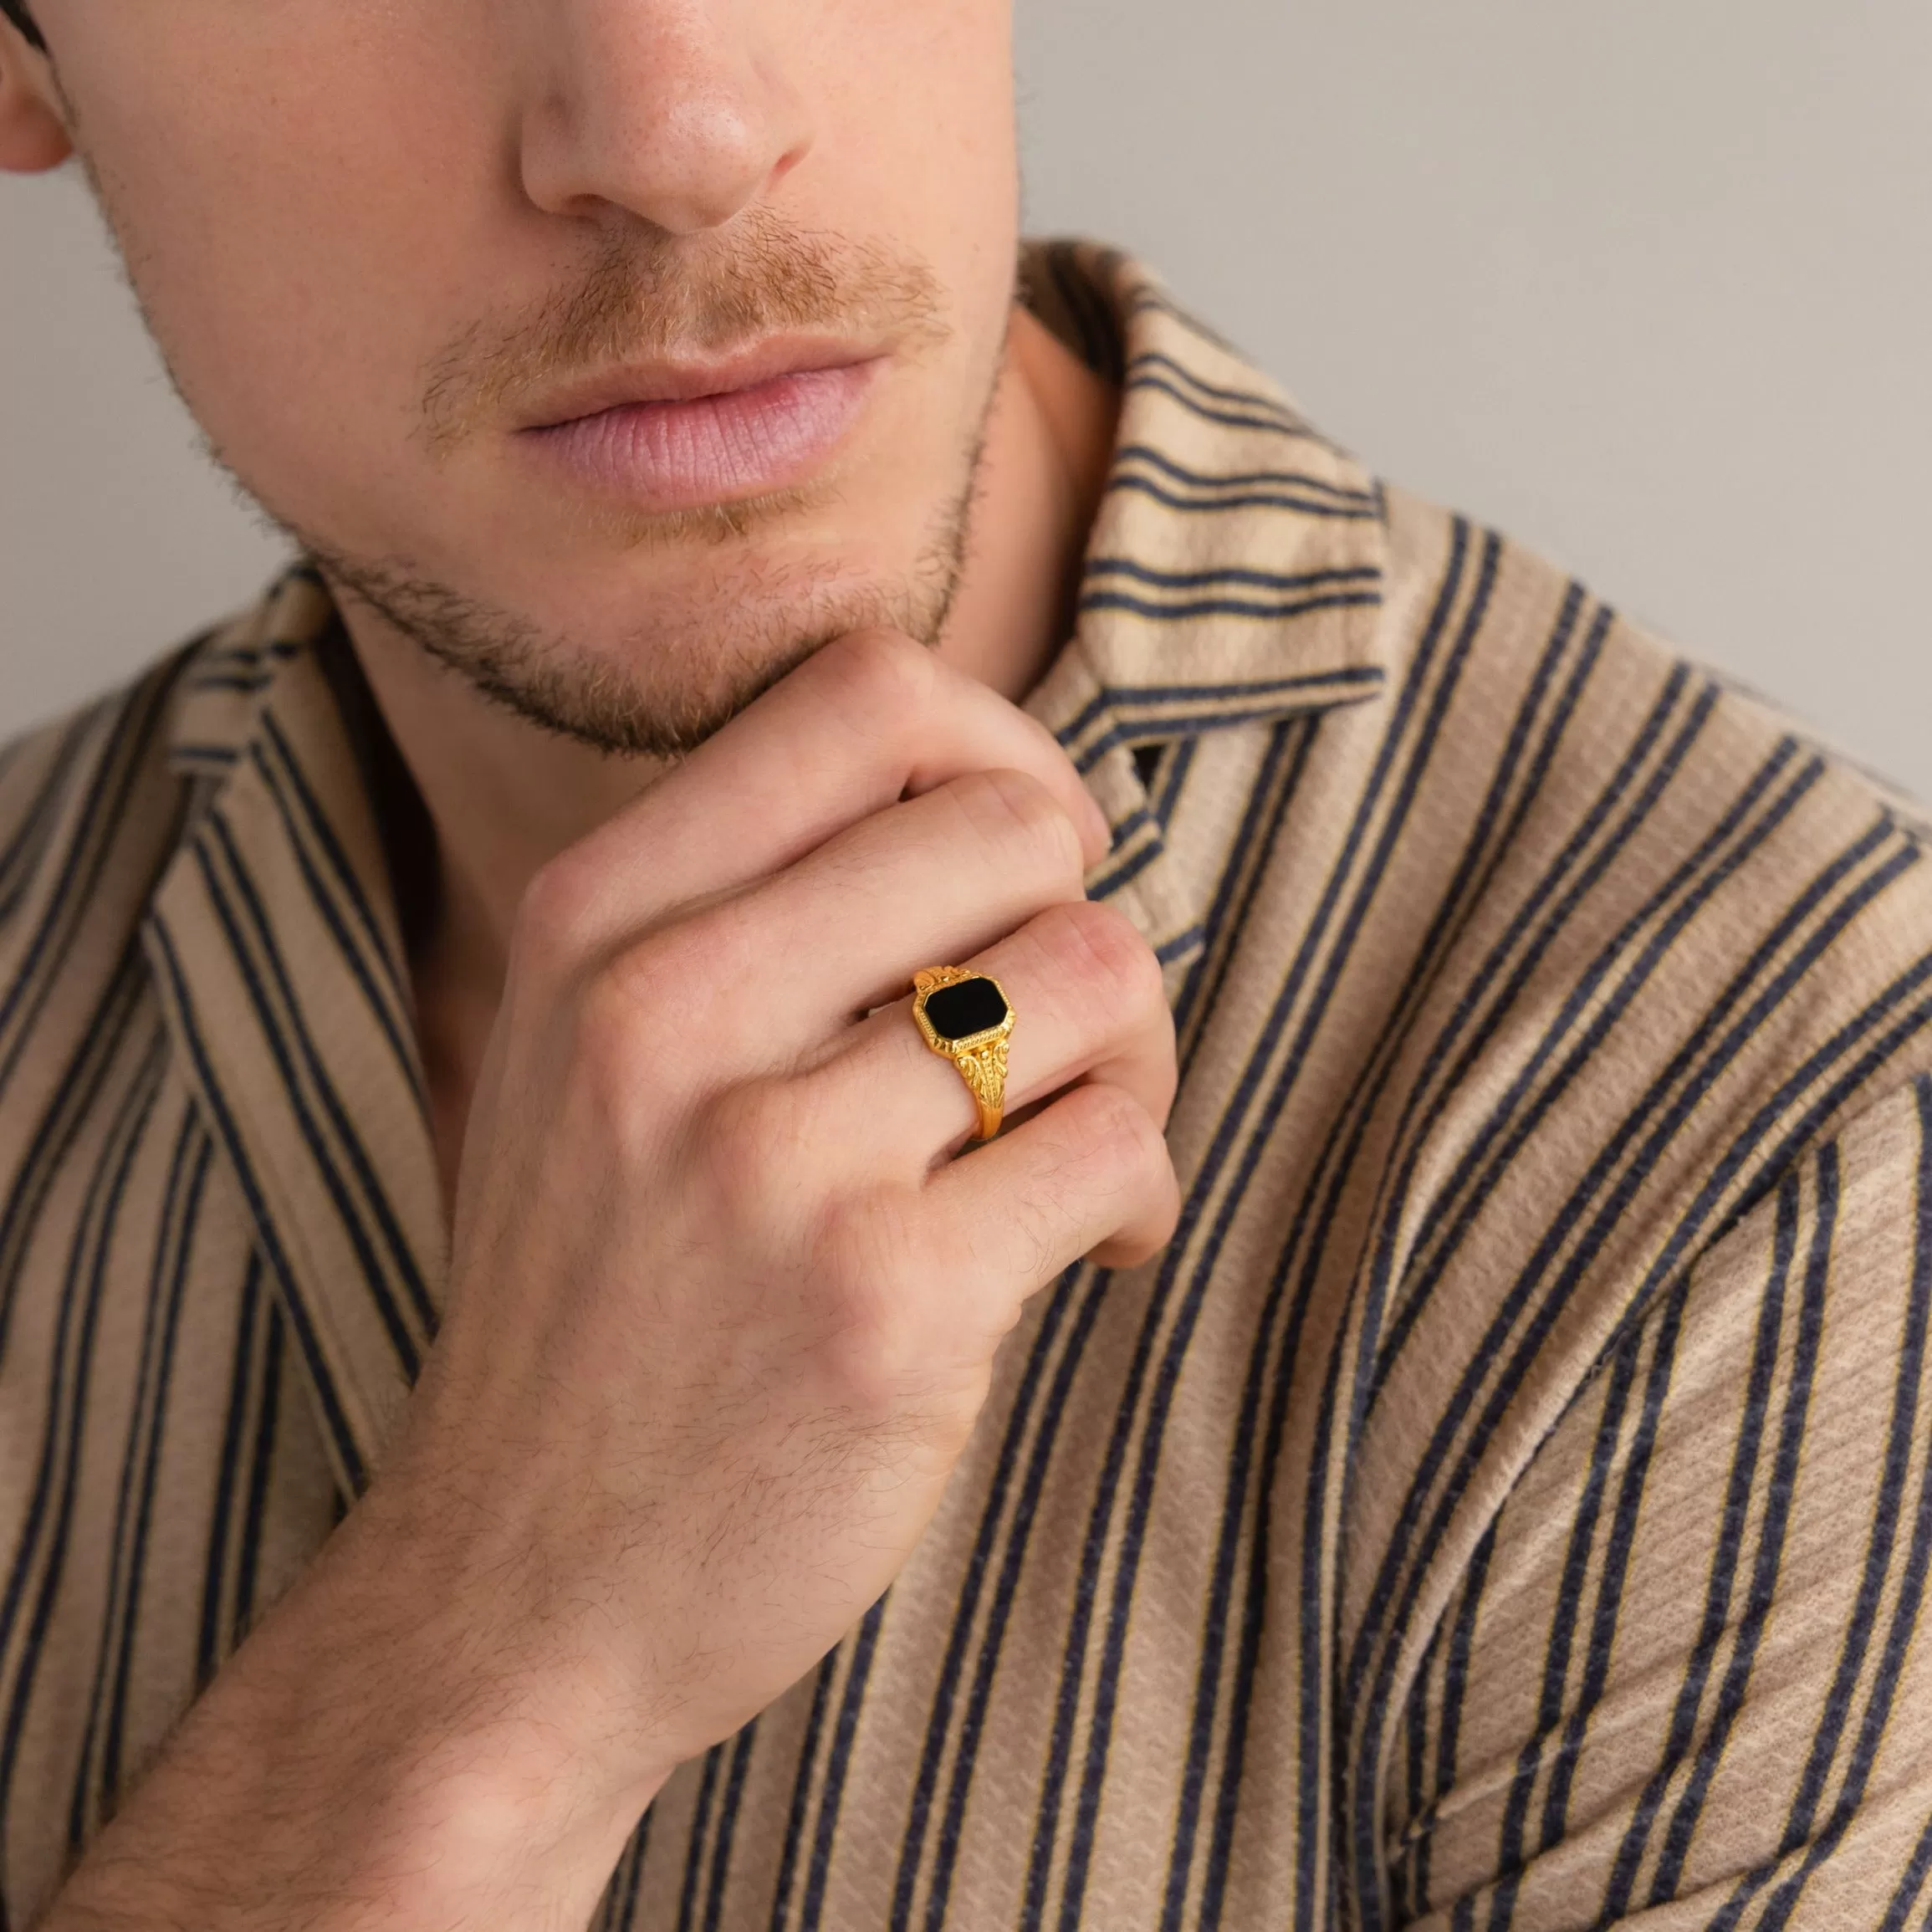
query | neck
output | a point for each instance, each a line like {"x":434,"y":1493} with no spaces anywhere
{"x":505,"y":797}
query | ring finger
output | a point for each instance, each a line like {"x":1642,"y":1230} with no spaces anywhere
{"x":1088,"y":1004}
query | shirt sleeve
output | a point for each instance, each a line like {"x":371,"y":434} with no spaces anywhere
{"x":1687,"y":1680}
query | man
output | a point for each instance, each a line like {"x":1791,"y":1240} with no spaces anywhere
{"x":1416,"y":1417}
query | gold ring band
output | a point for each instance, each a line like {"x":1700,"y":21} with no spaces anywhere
{"x":965,"y":1017}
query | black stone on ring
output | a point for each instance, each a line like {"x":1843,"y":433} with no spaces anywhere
{"x":967,"y":1006}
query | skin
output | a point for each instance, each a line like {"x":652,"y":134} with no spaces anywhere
{"x":723,"y":1305}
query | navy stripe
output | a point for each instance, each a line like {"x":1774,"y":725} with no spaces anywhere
{"x":694,"y":1842}
{"x":1126,"y":699}
{"x":1125,"y":869}
{"x":1343,"y":495}
{"x":1250,"y":856}
{"x":1222,"y":1588}
{"x":1748,"y":1630}
{"x":69,"y":1108}
{"x":1455,"y":1688}
{"x":1585,"y":1027}
{"x":261,"y":1466}
{"x":1632,"y":949}
{"x":57,"y":1467}
{"x":1881,"y":1542}
{"x":393,"y":1240}
{"x":1227,"y":606}
{"x":211,"y":1646}
{"x":1264,"y":417}
{"x":144,"y":1529}
{"x":220,"y":755}
{"x":1179,"y":761}
{"x":844,"y":1729}
{"x":953,"y":1663}
{"x":1559,"y":1646}
{"x":1223,"y":718}
{"x":284,"y":1057}
{"x":379,"y":985}
{"x":1153,"y":359}
{"x":1449,"y":592}
{"x":1248,"y":862}
{"x":1170,"y":951}
{"x":1091,"y":1294}
{"x":740,"y":1766}
{"x":1616,"y":1563}
{"x":1485,"y":1163}
{"x":271,"y":651}
{"x":100,"y":816}
{"x":1231,"y":574}
{"x":134,"y":1499}
{"x":1247,"y":500}
{"x":630,"y":1872}
{"x":375,"y":946}
{"x":1911,"y":1883}
{"x":340,"y":1439}
{"x":794,"y":1830}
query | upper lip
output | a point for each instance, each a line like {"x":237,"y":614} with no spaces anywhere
{"x":686,"y":381}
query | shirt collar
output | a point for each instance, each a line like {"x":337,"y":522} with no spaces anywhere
{"x":1234,"y":575}
{"x":1234,"y":570}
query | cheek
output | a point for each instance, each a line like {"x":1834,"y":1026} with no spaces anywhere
{"x":917,"y":140}
{"x":290,"y":212}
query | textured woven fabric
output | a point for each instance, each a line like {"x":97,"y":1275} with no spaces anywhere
{"x":1507,"y":1501}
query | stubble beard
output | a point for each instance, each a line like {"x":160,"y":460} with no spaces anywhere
{"x":661,"y":686}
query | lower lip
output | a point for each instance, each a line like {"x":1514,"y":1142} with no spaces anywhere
{"x":676,"y":455}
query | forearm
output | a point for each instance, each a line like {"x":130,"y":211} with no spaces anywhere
{"x":349,"y":1771}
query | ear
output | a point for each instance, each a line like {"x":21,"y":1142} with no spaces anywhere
{"x":33,"y":134}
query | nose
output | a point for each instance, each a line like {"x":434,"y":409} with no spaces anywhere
{"x":679,"y":112}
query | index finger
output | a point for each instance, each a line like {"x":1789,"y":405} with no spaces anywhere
{"x":867,"y":720}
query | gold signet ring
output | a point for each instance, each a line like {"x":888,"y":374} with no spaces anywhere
{"x":966,"y":1018}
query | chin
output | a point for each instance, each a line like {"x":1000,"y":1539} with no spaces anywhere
{"x":651,"y":668}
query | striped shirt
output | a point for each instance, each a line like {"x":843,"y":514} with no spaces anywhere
{"x":1506,"y":1503}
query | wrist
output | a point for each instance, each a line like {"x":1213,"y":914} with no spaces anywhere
{"x":364,"y":1763}
{"x":475,"y":1729}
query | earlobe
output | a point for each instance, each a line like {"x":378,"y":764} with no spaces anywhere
{"x":33,"y":134}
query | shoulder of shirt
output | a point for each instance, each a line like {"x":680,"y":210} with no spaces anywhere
{"x":1527,"y":592}
{"x":1764,"y":866}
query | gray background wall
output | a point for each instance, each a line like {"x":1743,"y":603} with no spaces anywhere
{"x":1649,"y":284}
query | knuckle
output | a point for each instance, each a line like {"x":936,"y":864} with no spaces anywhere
{"x":878,"y":676}
{"x":610,"y":1036}
{"x":1019,"y":819}
{"x":754,"y":1144}
{"x":1121,"y":1133}
{"x":1098,"y":946}
{"x":554,"y":918}
{"x":880,"y":1348}
{"x":680,"y":971}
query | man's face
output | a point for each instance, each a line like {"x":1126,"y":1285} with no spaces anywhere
{"x":440,"y":278}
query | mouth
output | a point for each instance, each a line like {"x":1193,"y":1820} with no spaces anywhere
{"x":670,"y":437}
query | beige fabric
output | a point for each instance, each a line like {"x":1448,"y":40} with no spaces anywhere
{"x":1507,"y":1501}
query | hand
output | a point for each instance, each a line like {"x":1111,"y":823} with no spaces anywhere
{"x":723,"y":1306}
